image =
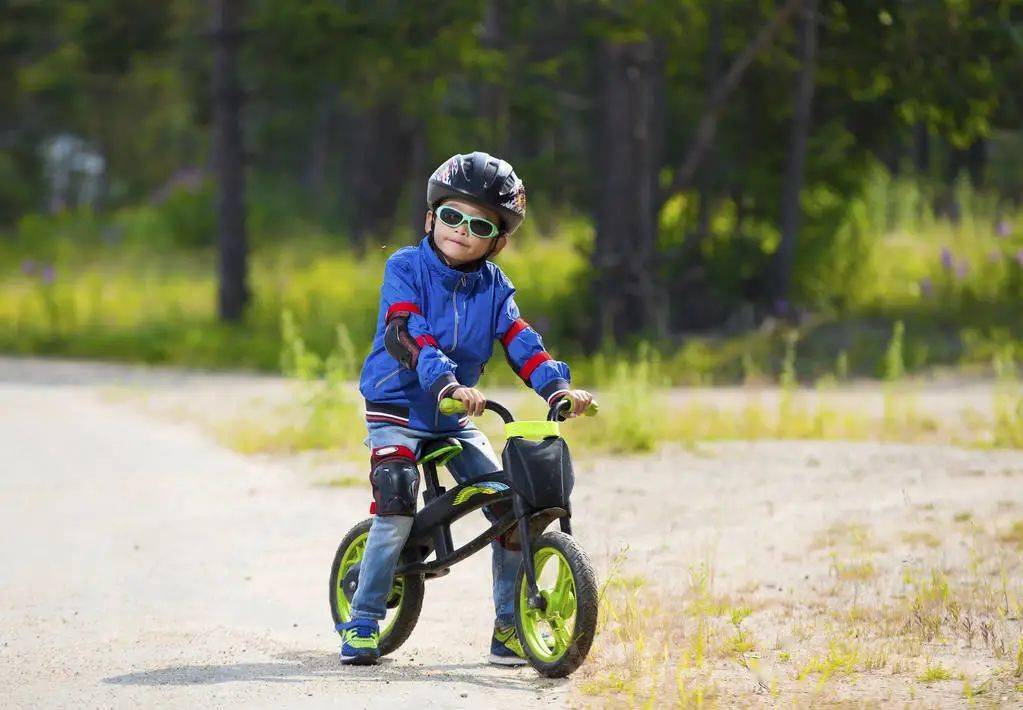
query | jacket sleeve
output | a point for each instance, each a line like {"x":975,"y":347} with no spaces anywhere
{"x":400,"y":298}
{"x":525,"y":352}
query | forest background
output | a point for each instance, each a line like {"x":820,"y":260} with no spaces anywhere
{"x":712,"y":183}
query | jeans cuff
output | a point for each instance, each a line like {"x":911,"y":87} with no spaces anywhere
{"x":373,"y":616}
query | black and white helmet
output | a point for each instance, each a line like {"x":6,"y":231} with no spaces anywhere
{"x":484,"y":180}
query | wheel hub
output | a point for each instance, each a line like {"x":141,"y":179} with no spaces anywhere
{"x":350,"y":582}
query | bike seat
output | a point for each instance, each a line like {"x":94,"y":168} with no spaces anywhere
{"x":440,"y":451}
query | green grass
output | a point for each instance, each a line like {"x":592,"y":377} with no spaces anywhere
{"x":637,"y":413}
{"x":127,"y":286}
{"x":934,"y":672}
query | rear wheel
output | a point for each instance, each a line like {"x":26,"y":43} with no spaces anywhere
{"x":403,"y":605}
{"x":556,"y":639}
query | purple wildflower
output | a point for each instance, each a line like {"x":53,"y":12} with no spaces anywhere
{"x":28,"y":267}
{"x":1004,"y":228}
{"x":48,"y":274}
{"x":994,"y":256}
{"x":962,"y":270}
{"x":1019,"y":257}
{"x":947,"y":260}
{"x":926,"y":287}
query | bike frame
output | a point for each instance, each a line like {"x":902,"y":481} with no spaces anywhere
{"x":431,"y":529}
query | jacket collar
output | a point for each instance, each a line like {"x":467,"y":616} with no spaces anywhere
{"x":448,"y":276}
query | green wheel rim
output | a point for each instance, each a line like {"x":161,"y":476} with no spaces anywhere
{"x":549,"y":632}
{"x":353,"y":555}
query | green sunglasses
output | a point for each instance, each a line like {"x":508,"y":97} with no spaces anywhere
{"x":478,"y":227}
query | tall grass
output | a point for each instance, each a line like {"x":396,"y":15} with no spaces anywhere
{"x":328,"y":414}
{"x":134,"y":286}
{"x":638,"y":413}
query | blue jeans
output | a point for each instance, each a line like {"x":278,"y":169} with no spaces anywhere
{"x":388,"y":534}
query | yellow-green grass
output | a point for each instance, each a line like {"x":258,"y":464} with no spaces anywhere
{"x":118,"y":289}
{"x":685,"y":644}
{"x":635,"y":417}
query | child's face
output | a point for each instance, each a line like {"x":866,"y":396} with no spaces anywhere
{"x":458,"y":244}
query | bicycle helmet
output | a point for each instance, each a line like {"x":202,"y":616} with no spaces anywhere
{"x":480,"y":178}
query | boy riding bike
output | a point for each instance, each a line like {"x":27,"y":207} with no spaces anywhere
{"x":443,"y":304}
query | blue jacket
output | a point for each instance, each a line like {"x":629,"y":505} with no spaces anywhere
{"x":455,"y":317}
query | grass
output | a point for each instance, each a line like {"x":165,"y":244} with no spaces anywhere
{"x":934,"y":672}
{"x":1014,"y":535}
{"x":343,"y":482}
{"x":638,"y":413}
{"x":921,"y":538}
{"x":688,"y":644}
{"x":124,"y":286}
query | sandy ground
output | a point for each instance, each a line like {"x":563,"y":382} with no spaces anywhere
{"x":142,"y":563}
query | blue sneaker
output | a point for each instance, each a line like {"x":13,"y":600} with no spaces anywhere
{"x":505,"y":649}
{"x":360,"y":642}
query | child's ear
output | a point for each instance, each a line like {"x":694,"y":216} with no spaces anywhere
{"x":428,"y":222}
{"x":502,"y":241}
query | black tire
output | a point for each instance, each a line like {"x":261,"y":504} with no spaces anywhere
{"x":586,"y":595}
{"x":411,"y":599}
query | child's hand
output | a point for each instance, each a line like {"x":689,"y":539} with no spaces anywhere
{"x":581,"y":399}
{"x":473,"y":399}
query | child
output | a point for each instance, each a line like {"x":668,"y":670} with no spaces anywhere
{"x":442,"y":307}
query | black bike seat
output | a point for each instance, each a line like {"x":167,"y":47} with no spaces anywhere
{"x":440,"y":450}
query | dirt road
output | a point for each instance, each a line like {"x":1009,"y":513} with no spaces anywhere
{"x":144,"y":564}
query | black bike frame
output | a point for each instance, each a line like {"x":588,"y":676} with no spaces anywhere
{"x":431,"y":530}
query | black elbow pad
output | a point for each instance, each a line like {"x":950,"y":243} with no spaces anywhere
{"x":400,"y":344}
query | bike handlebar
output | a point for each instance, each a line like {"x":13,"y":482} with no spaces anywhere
{"x":449,"y":406}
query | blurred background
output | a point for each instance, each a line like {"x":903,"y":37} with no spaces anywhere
{"x":749,"y":221}
{"x":712,"y":184}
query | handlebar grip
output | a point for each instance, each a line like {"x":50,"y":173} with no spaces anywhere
{"x":449,"y":406}
{"x":591,"y":411}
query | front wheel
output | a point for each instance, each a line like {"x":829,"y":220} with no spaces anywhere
{"x":557,"y":639}
{"x":403,"y":605}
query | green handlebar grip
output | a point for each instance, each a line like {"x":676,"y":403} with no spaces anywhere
{"x":449,"y":406}
{"x":590,"y":411}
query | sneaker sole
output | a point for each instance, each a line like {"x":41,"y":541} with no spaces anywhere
{"x":364,"y":659}
{"x":507,"y":660}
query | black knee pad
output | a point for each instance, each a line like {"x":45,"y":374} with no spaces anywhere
{"x":395,"y":480}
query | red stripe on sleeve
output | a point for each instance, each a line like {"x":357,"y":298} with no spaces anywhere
{"x":424,"y":340}
{"x":533,"y":363}
{"x":402,"y":306}
{"x":517,"y":327}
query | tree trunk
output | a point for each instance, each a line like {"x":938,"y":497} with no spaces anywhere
{"x":922,"y":149}
{"x":707,"y":127}
{"x":320,"y":143}
{"x":380,"y":171}
{"x":492,"y":97}
{"x":230,"y":161}
{"x":976,"y":161}
{"x":712,"y":77}
{"x":630,"y":128}
{"x":418,"y":172}
{"x":780,"y":276}
{"x":688,"y":288}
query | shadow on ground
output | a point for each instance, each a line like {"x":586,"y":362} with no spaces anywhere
{"x":303,"y":667}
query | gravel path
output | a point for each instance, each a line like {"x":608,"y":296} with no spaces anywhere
{"x":143,"y":564}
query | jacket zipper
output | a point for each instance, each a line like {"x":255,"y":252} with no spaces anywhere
{"x":385,"y":378}
{"x":454,"y":306}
